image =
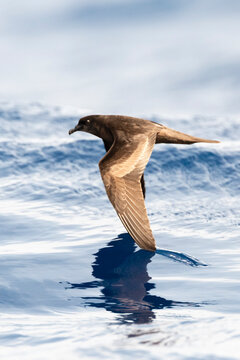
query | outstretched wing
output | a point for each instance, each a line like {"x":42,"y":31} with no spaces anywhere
{"x":121,"y":170}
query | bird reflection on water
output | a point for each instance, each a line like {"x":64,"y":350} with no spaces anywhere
{"x":124,"y":282}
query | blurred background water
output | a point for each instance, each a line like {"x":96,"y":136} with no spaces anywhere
{"x":151,"y":57}
{"x":73,"y":284}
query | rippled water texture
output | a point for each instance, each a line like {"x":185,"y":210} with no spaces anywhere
{"x":74,"y":285}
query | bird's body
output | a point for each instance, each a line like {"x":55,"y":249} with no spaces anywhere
{"x":129,"y":143}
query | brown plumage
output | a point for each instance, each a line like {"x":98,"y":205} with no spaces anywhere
{"x":129,"y":143}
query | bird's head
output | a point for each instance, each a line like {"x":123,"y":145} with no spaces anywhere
{"x":89,"y":124}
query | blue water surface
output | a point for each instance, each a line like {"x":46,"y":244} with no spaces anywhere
{"x":75,"y":285}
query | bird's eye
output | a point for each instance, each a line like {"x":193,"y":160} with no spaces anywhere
{"x":84,"y":122}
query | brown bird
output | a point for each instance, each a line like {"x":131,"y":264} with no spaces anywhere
{"x":129,"y":143}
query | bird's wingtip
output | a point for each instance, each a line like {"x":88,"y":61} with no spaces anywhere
{"x":213,"y":141}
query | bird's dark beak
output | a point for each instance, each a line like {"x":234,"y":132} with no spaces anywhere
{"x":71,"y":131}
{"x":77,"y":128}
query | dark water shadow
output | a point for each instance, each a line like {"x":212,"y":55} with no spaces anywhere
{"x":122,"y":275}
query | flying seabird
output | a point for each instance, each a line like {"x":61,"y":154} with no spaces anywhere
{"x":129,"y":142}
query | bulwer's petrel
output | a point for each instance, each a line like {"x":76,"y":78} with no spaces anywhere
{"x":129,"y":143}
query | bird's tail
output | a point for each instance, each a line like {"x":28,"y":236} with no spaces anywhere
{"x":167,"y":135}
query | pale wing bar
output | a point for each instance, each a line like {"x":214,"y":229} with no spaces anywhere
{"x":125,"y":192}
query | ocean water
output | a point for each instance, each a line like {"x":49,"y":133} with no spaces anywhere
{"x":73,"y":283}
